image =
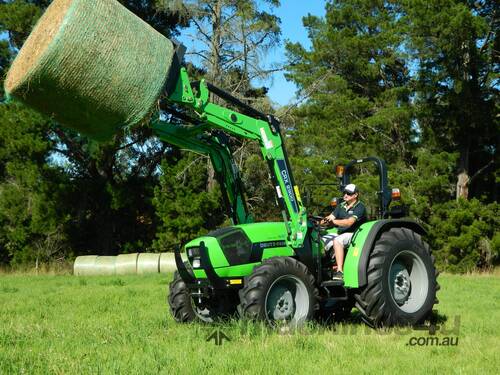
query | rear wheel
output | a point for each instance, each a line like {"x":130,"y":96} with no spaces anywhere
{"x":280,"y":290}
{"x":401,"y":280}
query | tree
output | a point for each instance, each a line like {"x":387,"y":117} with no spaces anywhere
{"x":185,"y":208}
{"x":233,"y":36}
{"x":455,"y":44}
{"x":356,"y":79}
{"x":60,"y":187}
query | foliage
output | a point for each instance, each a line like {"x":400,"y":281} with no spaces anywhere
{"x":455,"y":44}
{"x":185,"y":208}
{"x":30,"y":190}
{"x":62,"y":193}
{"x":466,"y":234}
{"x":413,"y":82}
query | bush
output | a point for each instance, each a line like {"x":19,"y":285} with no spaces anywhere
{"x":465,"y":235}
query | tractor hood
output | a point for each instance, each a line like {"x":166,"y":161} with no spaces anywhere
{"x":240,"y":247}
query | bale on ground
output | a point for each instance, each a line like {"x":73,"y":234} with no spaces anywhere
{"x":148,"y":263}
{"x":93,"y":65}
{"x":167,"y":262}
{"x":105,"y":265}
{"x":84,"y":265}
{"x":126,"y":264}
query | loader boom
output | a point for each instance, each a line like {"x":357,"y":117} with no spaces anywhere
{"x":258,"y":127}
{"x":215,"y":147}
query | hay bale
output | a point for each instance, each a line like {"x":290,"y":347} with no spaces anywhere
{"x":167,"y":262}
{"x":105,"y":265}
{"x":84,"y":265}
{"x":126,"y":264}
{"x":92,"y":65}
{"x":148,"y":263}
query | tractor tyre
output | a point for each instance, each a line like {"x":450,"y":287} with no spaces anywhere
{"x":280,"y":291}
{"x":180,"y":301}
{"x":185,"y":308}
{"x":401,"y":281}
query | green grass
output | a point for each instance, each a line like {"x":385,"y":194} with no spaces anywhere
{"x":67,"y":324}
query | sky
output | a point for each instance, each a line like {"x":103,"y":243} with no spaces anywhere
{"x":290,"y":12}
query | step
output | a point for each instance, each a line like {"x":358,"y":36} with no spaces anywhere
{"x":328,"y":283}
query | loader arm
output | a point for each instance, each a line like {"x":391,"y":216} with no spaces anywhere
{"x":213,"y":146}
{"x":258,"y":127}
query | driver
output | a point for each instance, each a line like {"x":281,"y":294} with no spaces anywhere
{"x":348,"y":216}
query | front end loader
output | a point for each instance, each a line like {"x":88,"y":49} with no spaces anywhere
{"x":270,"y":271}
{"x":278,"y":271}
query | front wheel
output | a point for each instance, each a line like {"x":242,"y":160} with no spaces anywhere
{"x":185,"y":308}
{"x":401,"y":280}
{"x":280,"y":290}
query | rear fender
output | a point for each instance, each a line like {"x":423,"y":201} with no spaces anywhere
{"x":363,"y":241}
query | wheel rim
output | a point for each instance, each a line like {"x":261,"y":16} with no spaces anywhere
{"x":201,"y":311}
{"x":287,"y":300}
{"x":408,"y":281}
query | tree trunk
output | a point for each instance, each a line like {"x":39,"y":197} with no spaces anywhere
{"x":215,"y":72}
{"x":463,"y":177}
{"x":463,"y":185}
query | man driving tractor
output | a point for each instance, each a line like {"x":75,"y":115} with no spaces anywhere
{"x":348,"y":216}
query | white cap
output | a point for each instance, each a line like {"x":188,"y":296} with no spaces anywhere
{"x":351,"y":189}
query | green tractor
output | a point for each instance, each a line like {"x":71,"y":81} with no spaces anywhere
{"x":278,"y":271}
{"x":270,"y":271}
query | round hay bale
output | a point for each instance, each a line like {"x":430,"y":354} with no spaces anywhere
{"x":93,"y":65}
{"x":167,"y":262}
{"x":126,"y":264}
{"x":84,"y":265}
{"x":105,"y":265}
{"x":148,"y":263}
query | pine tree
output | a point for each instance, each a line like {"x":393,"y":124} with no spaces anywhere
{"x":355,"y":78}
{"x":61,"y":192}
{"x":455,"y":44}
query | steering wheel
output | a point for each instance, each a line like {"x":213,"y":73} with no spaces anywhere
{"x":316,"y":217}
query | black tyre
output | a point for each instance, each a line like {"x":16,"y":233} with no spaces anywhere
{"x":185,"y":309}
{"x":180,"y":301}
{"x":401,"y":280}
{"x":280,"y":290}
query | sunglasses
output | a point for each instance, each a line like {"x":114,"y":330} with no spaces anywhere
{"x":348,"y":193}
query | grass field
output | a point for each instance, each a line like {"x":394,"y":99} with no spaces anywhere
{"x":68,"y":324}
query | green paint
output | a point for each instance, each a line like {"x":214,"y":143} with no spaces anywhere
{"x":277,"y":252}
{"x":353,"y":255}
{"x":256,"y":232}
{"x":236,"y":271}
{"x":217,"y":258}
{"x":267,"y":231}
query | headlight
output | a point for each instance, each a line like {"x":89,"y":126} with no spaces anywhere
{"x":196,"y":263}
